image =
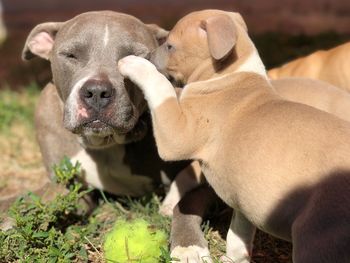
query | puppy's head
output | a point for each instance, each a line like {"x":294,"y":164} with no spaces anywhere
{"x":201,"y":44}
{"x":99,"y":104}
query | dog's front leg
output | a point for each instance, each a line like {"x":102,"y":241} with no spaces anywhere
{"x":239,"y":240}
{"x":188,"y":243}
{"x":173,"y":128}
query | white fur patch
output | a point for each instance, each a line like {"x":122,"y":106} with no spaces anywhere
{"x":72,"y":101}
{"x":159,"y":92}
{"x":106,"y":36}
{"x":170,"y":200}
{"x":253,"y":64}
{"x":236,"y":249}
{"x":191,"y":254}
{"x":166,"y":181}
{"x":239,"y":240}
{"x":114,"y":177}
{"x":88,"y":166}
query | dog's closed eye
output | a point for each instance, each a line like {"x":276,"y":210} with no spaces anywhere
{"x":141,"y":50}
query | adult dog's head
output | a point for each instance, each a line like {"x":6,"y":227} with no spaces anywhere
{"x":99,"y":104}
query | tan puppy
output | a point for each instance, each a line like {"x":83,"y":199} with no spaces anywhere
{"x":331,"y":66}
{"x":283,"y":166}
{"x":315,"y":93}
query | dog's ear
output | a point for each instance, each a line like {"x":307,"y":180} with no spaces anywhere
{"x":239,"y":19}
{"x":40,"y":40}
{"x":159,"y":33}
{"x":221,"y":34}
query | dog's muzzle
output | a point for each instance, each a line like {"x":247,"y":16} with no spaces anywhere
{"x":97,"y":94}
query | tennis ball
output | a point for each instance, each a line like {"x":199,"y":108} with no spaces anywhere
{"x":134,"y":241}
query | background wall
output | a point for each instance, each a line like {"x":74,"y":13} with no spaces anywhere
{"x":281,"y":29}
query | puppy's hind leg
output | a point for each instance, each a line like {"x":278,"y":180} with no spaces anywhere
{"x":321,"y":232}
{"x":239,"y":239}
{"x":188,"y":179}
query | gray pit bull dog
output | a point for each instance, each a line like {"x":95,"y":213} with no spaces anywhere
{"x":90,"y":113}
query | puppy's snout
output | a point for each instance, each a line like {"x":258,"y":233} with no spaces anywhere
{"x":97,"y":93}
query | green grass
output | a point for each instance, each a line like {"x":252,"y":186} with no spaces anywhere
{"x":42,"y":231}
{"x":60,"y":231}
{"x":17,"y":107}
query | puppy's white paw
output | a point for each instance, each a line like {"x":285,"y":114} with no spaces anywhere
{"x":137,"y":69}
{"x":191,"y":254}
{"x":144,"y":74}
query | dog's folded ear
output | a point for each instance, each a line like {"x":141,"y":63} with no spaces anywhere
{"x":239,"y":19}
{"x":221,"y":34}
{"x":40,"y":40}
{"x":159,"y":33}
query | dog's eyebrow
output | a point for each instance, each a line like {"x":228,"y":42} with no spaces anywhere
{"x":74,"y":45}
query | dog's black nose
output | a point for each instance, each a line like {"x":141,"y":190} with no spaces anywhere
{"x":97,"y":93}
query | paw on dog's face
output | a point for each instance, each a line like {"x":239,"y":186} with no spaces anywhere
{"x":214,"y":33}
{"x":99,"y":104}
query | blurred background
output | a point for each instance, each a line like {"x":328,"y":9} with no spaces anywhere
{"x":281,"y":29}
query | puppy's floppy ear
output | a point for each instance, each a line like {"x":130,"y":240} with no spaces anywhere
{"x":40,"y":40}
{"x":159,"y":33}
{"x":221,"y":34}
{"x":239,"y":19}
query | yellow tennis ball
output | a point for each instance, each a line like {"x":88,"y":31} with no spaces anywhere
{"x":134,"y":241}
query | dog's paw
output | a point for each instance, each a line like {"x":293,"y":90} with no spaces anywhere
{"x":166,"y":210}
{"x":191,"y":254}
{"x":169,"y":203}
{"x":135,"y":68}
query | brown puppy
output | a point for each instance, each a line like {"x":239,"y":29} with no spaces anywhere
{"x":315,"y":93}
{"x":283,"y":166}
{"x":331,"y":66}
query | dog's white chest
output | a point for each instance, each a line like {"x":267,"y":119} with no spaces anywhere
{"x":108,"y":171}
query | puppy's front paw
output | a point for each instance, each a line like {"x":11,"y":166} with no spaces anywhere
{"x":135,"y":68}
{"x":191,"y":254}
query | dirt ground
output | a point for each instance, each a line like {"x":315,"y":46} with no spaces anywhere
{"x":21,"y":167}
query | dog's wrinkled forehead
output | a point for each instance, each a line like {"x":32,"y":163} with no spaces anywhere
{"x":104,"y":33}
